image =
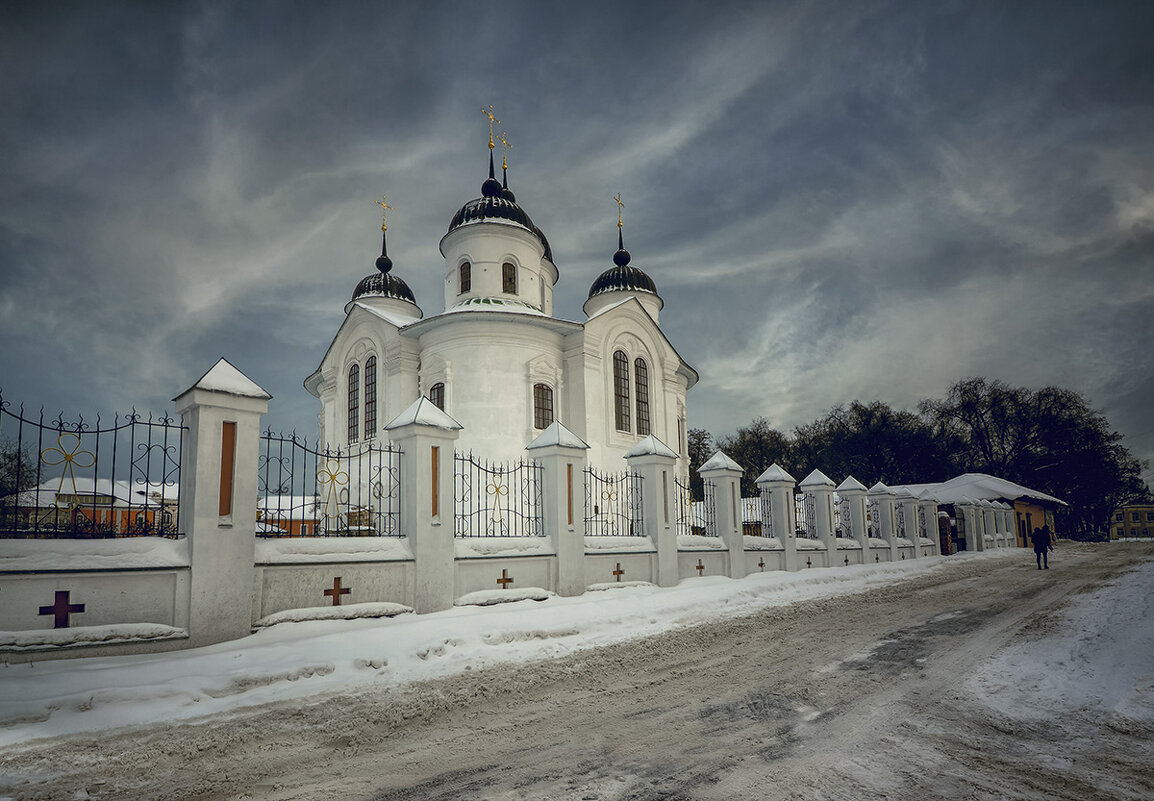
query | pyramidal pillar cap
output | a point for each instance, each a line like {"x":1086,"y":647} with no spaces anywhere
{"x":224,"y":378}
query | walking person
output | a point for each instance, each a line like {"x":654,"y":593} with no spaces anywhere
{"x":1043,"y":543}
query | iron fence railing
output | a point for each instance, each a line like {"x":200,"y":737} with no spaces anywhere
{"x":325,"y":492}
{"x":613,"y":504}
{"x":497,"y":499}
{"x":79,"y":479}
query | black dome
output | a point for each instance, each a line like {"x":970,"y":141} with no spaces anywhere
{"x":384,"y":285}
{"x":623,"y":277}
{"x":498,"y":208}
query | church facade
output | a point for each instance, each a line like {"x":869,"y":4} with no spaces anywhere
{"x":497,"y":358}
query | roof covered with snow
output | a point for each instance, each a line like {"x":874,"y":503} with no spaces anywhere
{"x":980,"y":486}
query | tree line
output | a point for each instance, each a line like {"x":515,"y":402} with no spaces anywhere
{"x":1048,"y":439}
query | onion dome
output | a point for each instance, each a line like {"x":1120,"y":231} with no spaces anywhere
{"x":622,"y":276}
{"x":497,"y":204}
{"x":384,"y":283}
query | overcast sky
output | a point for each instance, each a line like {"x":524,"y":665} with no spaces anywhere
{"x":837,"y":201}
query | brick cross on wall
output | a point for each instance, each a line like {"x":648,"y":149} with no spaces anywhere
{"x":337,"y":591}
{"x":62,"y":609}
{"x":700,"y":568}
{"x":619,"y":572}
{"x":505,"y":579}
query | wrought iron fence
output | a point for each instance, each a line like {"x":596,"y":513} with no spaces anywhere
{"x":900,"y":520}
{"x":324,"y":492}
{"x":765,"y":508}
{"x":688,"y":520}
{"x":495,"y":499}
{"x":873,"y":519}
{"x":706,"y":510}
{"x":75,"y":479}
{"x":806,"y":515}
{"x":613,"y":504}
{"x":843,"y":519}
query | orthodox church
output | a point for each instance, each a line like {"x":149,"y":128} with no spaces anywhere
{"x":496,"y":358}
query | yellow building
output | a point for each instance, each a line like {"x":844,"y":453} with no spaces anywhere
{"x":1133,"y":520}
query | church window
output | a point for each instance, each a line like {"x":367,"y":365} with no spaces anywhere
{"x":354,"y":402}
{"x":509,"y":278}
{"x":437,"y":395}
{"x":542,"y":406}
{"x":621,"y":390}
{"x":370,"y":397}
{"x":466,"y":272}
{"x":641,"y":385}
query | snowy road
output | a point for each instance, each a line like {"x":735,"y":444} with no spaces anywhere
{"x":981,"y":678}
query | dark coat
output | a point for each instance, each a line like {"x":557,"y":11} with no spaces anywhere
{"x":1042,"y":540}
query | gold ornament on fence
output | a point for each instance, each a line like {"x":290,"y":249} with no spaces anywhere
{"x":71,"y":457}
{"x":332,"y":477}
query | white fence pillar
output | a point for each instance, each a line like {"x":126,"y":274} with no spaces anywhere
{"x":928,"y":510}
{"x":218,"y":497}
{"x":425,"y":435}
{"x":822,"y":488}
{"x":884,"y":497}
{"x":725,"y":474}
{"x":909,"y":514}
{"x":974,"y":539}
{"x":853,"y":496}
{"x":778,"y":485}
{"x":656,"y":463}
{"x":563,"y":459}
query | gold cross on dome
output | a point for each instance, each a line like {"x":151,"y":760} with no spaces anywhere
{"x":385,"y":209}
{"x":620,"y":205}
{"x":508,"y":147}
{"x":492,"y":119}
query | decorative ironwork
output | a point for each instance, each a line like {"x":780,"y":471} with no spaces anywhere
{"x":495,"y":499}
{"x":843,"y":518}
{"x":873,"y":516}
{"x":313,"y":492}
{"x":807,"y":515}
{"x":766,"y":506}
{"x":706,"y":509}
{"x":686,"y":509}
{"x":74,"y":479}
{"x":613,"y":504}
{"x":900,"y":519}
{"x":923,"y":527}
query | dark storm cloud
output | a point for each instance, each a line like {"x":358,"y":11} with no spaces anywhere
{"x":837,"y":201}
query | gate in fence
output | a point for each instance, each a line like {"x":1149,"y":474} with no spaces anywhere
{"x":314,"y":492}
{"x":72,"y":479}
{"x":497,"y":499}
{"x":613,"y":504}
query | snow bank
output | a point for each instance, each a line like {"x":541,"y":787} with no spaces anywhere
{"x":505,"y":596}
{"x":762,"y":543}
{"x":846,"y":544}
{"x":104,"y":554}
{"x":343,"y":612}
{"x":42,"y":639}
{"x":618,"y":585}
{"x":806,"y":544}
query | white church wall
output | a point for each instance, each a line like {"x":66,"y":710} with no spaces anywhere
{"x":302,"y":586}
{"x":488,"y":246}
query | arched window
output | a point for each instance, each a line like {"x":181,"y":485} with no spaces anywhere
{"x":370,"y":397}
{"x":641,"y":387}
{"x":466,"y":273}
{"x":354,"y":402}
{"x":437,"y":395}
{"x":621,"y":390}
{"x":509,"y":278}
{"x":542,"y":406}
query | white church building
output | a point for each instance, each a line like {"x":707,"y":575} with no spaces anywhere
{"x":496,"y":358}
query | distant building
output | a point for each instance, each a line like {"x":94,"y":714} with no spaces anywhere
{"x":1133,"y":520}
{"x":1032,"y":508}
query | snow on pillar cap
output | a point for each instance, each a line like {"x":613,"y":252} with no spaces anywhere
{"x":775,"y":472}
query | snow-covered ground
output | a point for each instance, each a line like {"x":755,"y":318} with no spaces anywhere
{"x":293,"y":660}
{"x":974,"y":676}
